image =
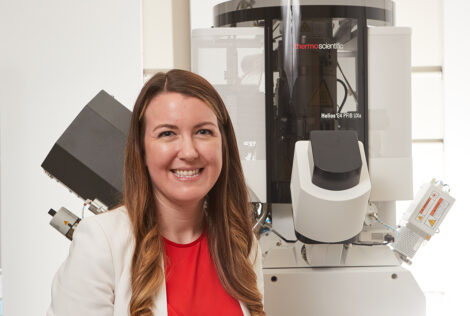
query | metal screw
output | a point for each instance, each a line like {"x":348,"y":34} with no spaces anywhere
{"x":274,"y":278}
{"x":394,"y":276}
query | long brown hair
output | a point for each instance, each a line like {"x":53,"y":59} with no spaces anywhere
{"x":229,"y":220}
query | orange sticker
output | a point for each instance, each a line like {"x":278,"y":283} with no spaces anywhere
{"x":425,"y":204}
{"x":435,"y":207}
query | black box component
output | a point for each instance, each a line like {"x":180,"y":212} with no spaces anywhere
{"x":89,"y":156}
{"x":336,"y":159}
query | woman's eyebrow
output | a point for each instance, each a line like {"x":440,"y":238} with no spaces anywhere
{"x":164,"y":126}
{"x":204,"y":123}
{"x":170,"y":126}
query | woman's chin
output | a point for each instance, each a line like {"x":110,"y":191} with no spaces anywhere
{"x":186,"y":198}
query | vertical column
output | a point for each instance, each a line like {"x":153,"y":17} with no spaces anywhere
{"x":166,"y":35}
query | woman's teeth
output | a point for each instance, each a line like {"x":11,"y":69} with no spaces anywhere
{"x":187,"y":173}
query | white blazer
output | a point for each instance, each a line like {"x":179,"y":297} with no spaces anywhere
{"x":95,"y":278}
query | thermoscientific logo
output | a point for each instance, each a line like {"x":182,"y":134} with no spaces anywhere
{"x":319,"y":46}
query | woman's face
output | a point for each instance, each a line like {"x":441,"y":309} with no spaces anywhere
{"x":183,"y":148}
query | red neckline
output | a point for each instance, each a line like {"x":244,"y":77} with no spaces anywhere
{"x":174,"y":244}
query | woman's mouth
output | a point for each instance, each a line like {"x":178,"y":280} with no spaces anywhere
{"x":187,"y":174}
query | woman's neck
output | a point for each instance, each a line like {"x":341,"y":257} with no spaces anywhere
{"x":181,"y":224}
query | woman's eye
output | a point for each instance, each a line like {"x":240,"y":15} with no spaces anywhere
{"x":204,"y":132}
{"x":165,"y":134}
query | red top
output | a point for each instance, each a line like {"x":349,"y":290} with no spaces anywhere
{"x":192,"y":285}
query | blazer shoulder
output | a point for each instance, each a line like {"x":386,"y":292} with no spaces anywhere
{"x":113,"y":221}
{"x":117,"y":216}
{"x":116,"y":227}
{"x":85,"y":282}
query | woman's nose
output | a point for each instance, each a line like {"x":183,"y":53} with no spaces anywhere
{"x":188,"y":150}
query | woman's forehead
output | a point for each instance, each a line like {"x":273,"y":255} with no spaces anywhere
{"x":176,"y":107}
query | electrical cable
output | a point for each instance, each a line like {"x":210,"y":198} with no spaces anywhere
{"x":347,"y":82}
{"x":345,"y":95}
{"x":263,"y":213}
{"x":444,"y":185}
{"x":387,"y":225}
{"x":276,"y":26}
{"x":83,"y":210}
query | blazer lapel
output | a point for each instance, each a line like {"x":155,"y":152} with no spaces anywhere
{"x":160,"y":305}
{"x":245,"y":310}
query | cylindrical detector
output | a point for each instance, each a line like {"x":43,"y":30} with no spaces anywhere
{"x":64,"y":221}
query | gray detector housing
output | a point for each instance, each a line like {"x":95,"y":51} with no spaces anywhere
{"x":336,"y":159}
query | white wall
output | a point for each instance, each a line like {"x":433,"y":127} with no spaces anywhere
{"x":55,"y":56}
{"x":425,"y":18}
{"x":428,"y":135}
{"x":456,"y":70}
{"x":441,"y":108}
{"x":202,"y":15}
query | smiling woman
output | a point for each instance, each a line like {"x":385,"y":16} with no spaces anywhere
{"x":183,"y":149}
{"x":182,"y":242}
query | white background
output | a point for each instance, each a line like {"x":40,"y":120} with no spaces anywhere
{"x":55,"y":56}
